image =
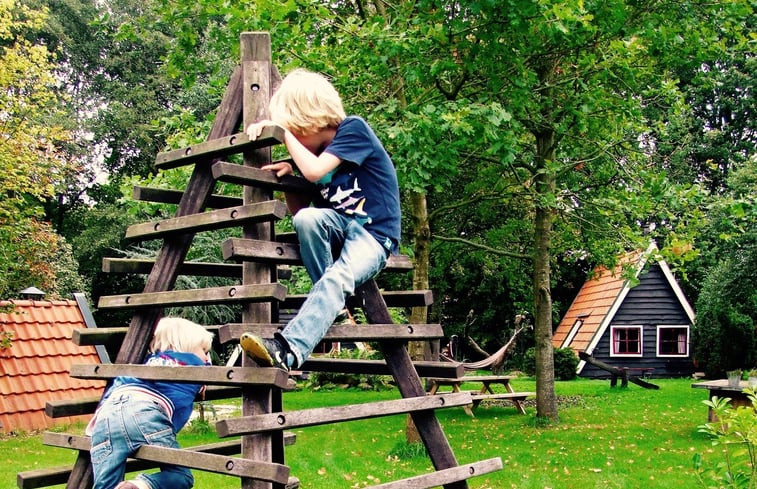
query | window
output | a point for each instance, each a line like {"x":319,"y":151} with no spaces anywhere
{"x":573,"y":330}
{"x":626,"y":341}
{"x":672,"y":341}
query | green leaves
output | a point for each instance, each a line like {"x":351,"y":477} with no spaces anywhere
{"x":734,"y":432}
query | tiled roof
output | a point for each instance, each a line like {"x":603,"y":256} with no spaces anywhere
{"x":34,"y":370}
{"x":597,"y":297}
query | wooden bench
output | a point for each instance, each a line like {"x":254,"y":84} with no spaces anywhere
{"x":485,"y":393}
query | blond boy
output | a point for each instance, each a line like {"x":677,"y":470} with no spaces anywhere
{"x":347,"y":236}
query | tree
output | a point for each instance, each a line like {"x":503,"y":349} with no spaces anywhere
{"x":31,"y":161}
{"x":725,"y":333}
{"x":542,"y":107}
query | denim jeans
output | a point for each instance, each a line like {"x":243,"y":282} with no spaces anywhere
{"x":123,"y":425}
{"x":324,"y":233}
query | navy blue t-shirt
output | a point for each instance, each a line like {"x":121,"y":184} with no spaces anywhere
{"x":364,"y":185}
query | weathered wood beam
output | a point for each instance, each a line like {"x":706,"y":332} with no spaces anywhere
{"x":61,"y":408}
{"x":219,"y":147}
{"x":392,"y":298}
{"x":409,"y":383}
{"x":206,"y":221}
{"x":247,"y":175}
{"x":446,"y":477}
{"x":337,"y":414}
{"x":380,"y":367}
{"x":196,"y":297}
{"x":236,"y":376}
{"x":338,"y":332}
{"x":175,"y":248}
{"x":170,"y":196}
{"x":195,"y":269}
{"x":285,"y":253}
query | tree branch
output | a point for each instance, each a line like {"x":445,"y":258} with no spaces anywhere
{"x":479,"y":246}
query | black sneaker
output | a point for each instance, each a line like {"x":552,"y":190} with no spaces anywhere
{"x":269,"y":353}
{"x":345,"y":317}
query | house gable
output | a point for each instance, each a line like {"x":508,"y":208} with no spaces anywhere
{"x":650,"y":307}
{"x":608,"y":305}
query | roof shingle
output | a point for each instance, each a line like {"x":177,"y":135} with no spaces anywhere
{"x":34,"y":370}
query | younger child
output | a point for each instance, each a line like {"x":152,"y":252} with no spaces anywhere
{"x":136,"y":412}
{"x":346,"y":239}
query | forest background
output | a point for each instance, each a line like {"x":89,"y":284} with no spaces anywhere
{"x":534,"y":140}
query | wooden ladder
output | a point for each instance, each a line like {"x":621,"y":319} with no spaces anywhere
{"x":264,"y":424}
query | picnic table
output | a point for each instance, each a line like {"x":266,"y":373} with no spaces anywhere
{"x":720,"y":388}
{"x":486,"y":391}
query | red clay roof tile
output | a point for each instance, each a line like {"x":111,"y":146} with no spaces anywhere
{"x":35,"y":368}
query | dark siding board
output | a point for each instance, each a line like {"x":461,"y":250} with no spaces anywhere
{"x":650,"y":304}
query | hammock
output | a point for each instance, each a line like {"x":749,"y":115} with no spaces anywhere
{"x":495,"y":359}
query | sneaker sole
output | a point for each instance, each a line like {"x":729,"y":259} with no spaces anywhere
{"x":252,"y":345}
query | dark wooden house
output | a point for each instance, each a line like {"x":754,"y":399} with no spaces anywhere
{"x":640,"y":324}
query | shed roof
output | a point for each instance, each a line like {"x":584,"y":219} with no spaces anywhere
{"x":35,"y":369}
{"x":599,"y":299}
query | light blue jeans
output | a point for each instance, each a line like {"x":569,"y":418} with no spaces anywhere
{"x":324,"y":233}
{"x":123,"y":425}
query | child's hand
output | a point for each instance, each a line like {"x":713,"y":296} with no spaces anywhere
{"x":281,"y":168}
{"x":254,"y":129}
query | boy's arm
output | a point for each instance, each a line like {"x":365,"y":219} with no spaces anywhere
{"x":313,"y":167}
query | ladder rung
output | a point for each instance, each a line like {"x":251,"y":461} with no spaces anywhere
{"x":445,"y":476}
{"x":61,"y":408}
{"x":205,"y":221}
{"x":312,"y":417}
{"x":403,"y":298}
{"x":195,"y":269}
{"x":220,"y":464}
{"x":339,"y":332}
{"x":236,"y":376}
{"x":216,"y":148}
{"x":82,"y":442}
{"x":247,"y":175}
{"x":171,"y":196}
{"x":287,"y":253}
{"x":196,"y":297}
{"x":379,"y":367}
{"x":33,"y":479}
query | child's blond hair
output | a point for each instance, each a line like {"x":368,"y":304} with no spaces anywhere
{"x":306,"y":102}
{"x":181,"y":335}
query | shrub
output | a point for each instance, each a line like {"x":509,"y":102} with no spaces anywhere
{"x":566,"y":363}
{"x":565,"y":360}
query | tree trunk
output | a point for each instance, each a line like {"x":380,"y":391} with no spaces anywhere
{"x":419,"y":350}
{"x":546,"y":400}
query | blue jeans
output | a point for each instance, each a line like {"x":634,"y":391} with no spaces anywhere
{"x":123,"y":425}
{"x":324,"y":233}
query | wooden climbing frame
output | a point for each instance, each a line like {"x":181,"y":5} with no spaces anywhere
{"x":257,"y":255}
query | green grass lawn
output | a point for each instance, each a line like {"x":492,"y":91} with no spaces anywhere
{"x":606,"y":438}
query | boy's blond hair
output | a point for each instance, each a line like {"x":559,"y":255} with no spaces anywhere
{"x":306,"y":102}
{"x":181,"y":335}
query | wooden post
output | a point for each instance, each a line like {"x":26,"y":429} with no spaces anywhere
{"x":256,"y":93}
{"x":409,"y":383}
